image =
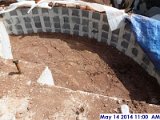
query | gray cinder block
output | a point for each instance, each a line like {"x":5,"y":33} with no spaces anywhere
{"x":127,"y":36}
{"x":116,"y":31}
{"x":134,"y":52}
{"x":105,"y":27}
{"x":27,"y":19}
{"x":46,"y":19}
{"x":28,"y":25}
{"x":105,"y":18}
{"x":85,"y":22}
{"x":95,"y":25}
{"x":124,"y":44}
{"x":36,"y":19}
{"x":38,"y":25}
{"x":56,"y":19}
{"x":66,"y":26}
{"x":114,"y":39}
{"x":47,"y":24}
{"x":66,"y":19}
{"x":57,"y":25}
{"x":75,"y":12}
{"x":76,"y":27}
{"x":65,"y":11}
{"x":96,"y":16}
{"x":85,"y":29}
{"x":13,"y":13}
{"x":34,"y":11}
{"x":104,"y":35}
{"x":85,"y":13}
{"x":76,"y":20}
{"x":146,"y":60}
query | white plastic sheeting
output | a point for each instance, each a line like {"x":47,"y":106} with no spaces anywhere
{"x":115,"y":16}
{"x":46,"y":78}
{"x":5,"y":47}
{"x":125,"y":109}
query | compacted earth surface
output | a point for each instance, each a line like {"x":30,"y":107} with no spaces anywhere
{"x":84,"y":64}
{"x":90,"y":78}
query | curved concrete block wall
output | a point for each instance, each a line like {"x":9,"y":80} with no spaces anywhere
{"x":78,"y":22}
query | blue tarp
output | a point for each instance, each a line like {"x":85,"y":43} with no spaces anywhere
{"x":147,"y":33}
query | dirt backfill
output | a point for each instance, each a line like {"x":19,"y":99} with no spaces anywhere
{"x":83,"y":64}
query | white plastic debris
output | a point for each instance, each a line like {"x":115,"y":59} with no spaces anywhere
{"x":115,"y":17}
{"x":14,"y":6}
{"x":125,"y":109}
{"x":8,"y":116}
{"x":46,"y":78}
{"x":5,"y":46}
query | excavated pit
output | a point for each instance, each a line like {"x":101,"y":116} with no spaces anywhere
{"x":83,"y":64}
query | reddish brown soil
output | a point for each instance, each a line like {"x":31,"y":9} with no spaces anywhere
{"x":83,"y":64}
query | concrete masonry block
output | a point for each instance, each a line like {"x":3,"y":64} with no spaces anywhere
{"x":104,"y":35}
{"x":65,"y":11}
{"x":104,"y":40}
{"x":85,"y":22}
{"x":44,"y":11}
{"x":19,"y":27}
{"x":95,"y":25}
{"x":85,"y":29}
{"x":20,"y":32}
{"x":76,"y":33}
{"x":58,"y":30}
{"x":38,"y":30}
{"x":48,"y":30}
{"x":8,"y":21}
{"x":24,"y":11}
{"x":135,"y":52}
{"x":46,"y":19}
{"x":26,"y":19}
{"x":15,"y":20}
{"x":96,"y":15}
{"x":66,"y":26}
{"x":76,"y":27}
{"x":38,"y":25}
{"x":124,"y":44}
{"x":85,"y":14}
{"x":13,"y":13}
{"x":145,"y":59}
{"x":28,"y":25}
{"x":144,"y":66}
{"x":57,"y":25}
{"x":66,"y":31}
{"x":116,"y":31}
{"x":105,"y":27}
{"x":34,"y":11}
{"x":76,"y":20}
{"x":105,"y":18}
{"x":75,"y":12}
{"x":47,"y":24}
{"x":127,"y":36}
{"x":55,"y":10}
{"x":36,"y":19}
{"x":56,"y":19}
{"x":114,"y":39}
{"x":66,"y":19}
